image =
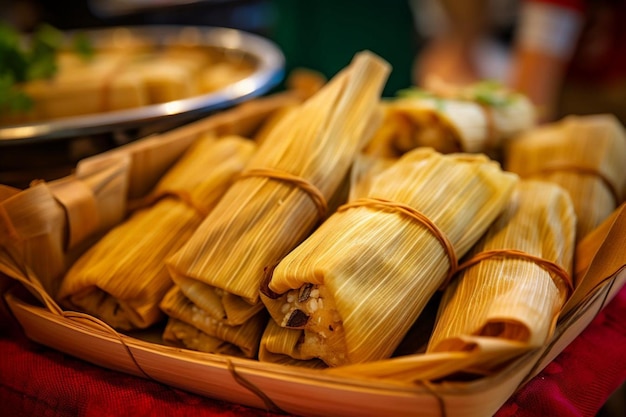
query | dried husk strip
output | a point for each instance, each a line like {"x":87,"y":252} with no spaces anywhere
{"x":504,"y":305}
{"x":586,"y":155}
{"x":212,"y":335}
{"x":374,"y":268}
{"x":122,"y":278}
{"x":451,"y":121}
{"x":261,"y":218}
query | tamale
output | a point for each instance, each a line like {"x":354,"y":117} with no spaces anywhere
{"x":586,"y":155}
{"x":507,"y":296}
{"x":122,"y":278}
{"x":206,"y":334}
{"x":359,"y":281}
{"x":180,"y":334}
{"x":283,"y":192}
{"x":512,"y":295}
{"x":477,"y":118}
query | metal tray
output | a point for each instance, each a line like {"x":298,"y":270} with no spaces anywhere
{"x":269,"y":71}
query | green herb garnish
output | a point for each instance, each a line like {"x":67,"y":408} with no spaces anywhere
{"x":490,"y":93}
{"x":420,"y":93}
{"x":83,"y":46}
{"x":25,"y":60}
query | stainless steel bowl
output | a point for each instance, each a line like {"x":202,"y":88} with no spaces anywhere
{"x":269,"y":71}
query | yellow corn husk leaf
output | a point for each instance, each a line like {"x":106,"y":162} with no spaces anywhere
{"x":599,"y":256}
{"x":586,"y":155}
{"x":46,"y":223}
{"x":180,"y":334}
{"x":364,"y":276}
{"x":31,"y":247}
{"x":508,"y":297}
{"x":364,"y":170}
{"x":280,"y":345}
{"x":122,"y":278}
{"x":245,"y":337}
{"x":270,"y":123}
{"x":489,"y":353}
{"x":260,"y":219}
{"x":472,"y":119}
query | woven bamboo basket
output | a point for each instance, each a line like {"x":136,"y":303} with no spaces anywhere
{"x":269,"y":386}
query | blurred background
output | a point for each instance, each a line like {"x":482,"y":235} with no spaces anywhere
{"x":580,"y":67}
{"x":306,"y":31}
{"x":574,"y":61}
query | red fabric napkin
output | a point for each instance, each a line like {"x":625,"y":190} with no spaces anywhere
{"x":38,"y":381}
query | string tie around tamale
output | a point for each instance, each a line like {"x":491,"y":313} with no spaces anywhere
{"x":579,"y":169}
{"x":269,"y":404}
{"x":183,"y":196}
{"x":305,"y":185}
{"x":553,"y":268}
{"x":417,"y":216}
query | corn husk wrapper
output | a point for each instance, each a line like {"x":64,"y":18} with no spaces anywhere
{"x":364,"y":276}
{"x":586,"y":155}
{"x":508,"y":297}
{"x":206,"y":334}
{"x":260,"y":219}
{"x":502,"y":306}
{"x":122,"y":278}
{"x":281,"y":345}
{"x":180,"y":334}
{"x":43,"y":228}
{"x":477,"y":118}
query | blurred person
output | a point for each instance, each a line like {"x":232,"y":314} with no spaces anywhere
{"x":568,"y":56}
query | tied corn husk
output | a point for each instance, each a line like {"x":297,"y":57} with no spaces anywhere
{"x":586,"y":155}
{"x":190,"y":326}
{"x":476,"y":118}
{"x":44,"y":227}
{"x":502,"y":306}
{"x":122,"y":278}
{"x":355,"y":286}
{"x":260,"y":219}
{"x":508,"y":297}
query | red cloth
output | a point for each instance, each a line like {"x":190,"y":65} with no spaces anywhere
{"x":580,"y":380}
{"x":38,"y":381}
